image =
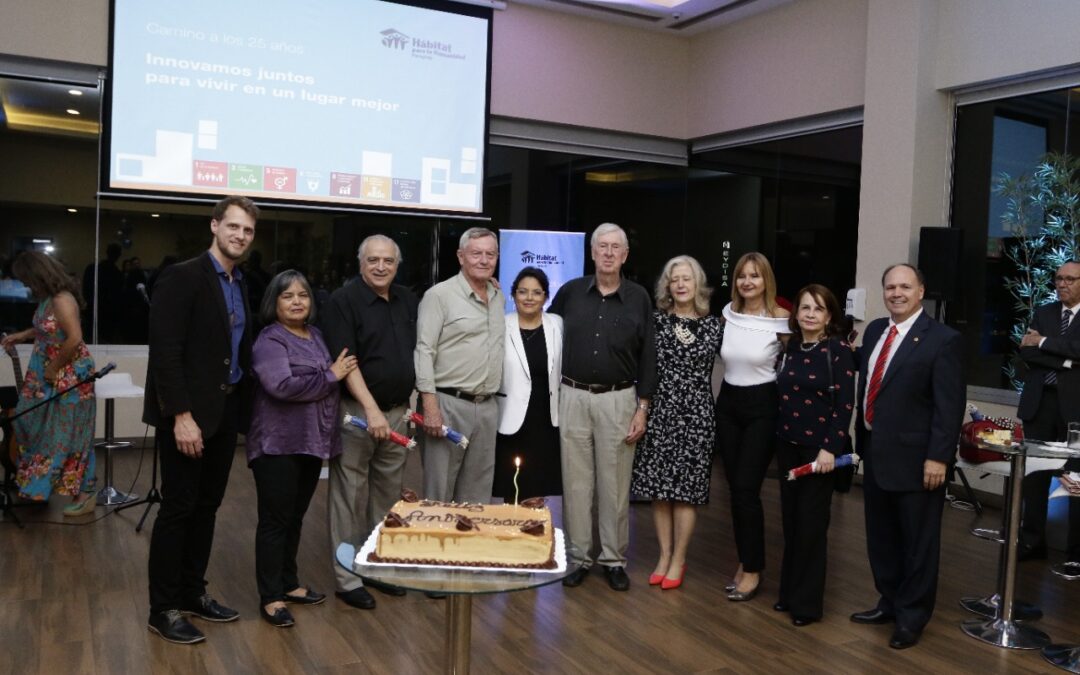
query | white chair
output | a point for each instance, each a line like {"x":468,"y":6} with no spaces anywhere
{"x":110,"y":388}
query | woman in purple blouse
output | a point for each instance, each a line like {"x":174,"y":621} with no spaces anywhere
{"x":294,"y":427}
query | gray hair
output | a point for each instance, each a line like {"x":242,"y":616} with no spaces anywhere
{"x":476,"y":233}
{"x":608,"y":228}
{"x":378,"y":237}
{"x":702,"y":290}
{"x":277,"y":286}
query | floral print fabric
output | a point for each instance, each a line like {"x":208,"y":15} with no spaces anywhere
{"x":55,"y":441}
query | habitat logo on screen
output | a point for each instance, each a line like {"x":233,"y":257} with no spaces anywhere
{"x":420,"y":48}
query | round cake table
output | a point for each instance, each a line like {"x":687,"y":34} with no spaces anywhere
{"x":459,"y":585}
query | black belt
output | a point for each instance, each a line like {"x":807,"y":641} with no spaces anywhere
{"x":388,"y":408}
{"x":464,"y":395}
{"x":596,"y":388}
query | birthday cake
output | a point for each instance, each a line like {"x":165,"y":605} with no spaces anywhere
{"x":472,"y":535}
{"x":996,"y":436}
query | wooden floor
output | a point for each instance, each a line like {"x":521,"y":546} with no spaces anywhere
{"x":73,"y":599}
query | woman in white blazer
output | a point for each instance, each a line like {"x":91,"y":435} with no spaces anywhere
{"x":529,"y":405}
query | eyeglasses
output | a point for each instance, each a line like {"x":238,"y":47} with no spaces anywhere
{"x":526,"y":293}
{"x":1058,"y":280}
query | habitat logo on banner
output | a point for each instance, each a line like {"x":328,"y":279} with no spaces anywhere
{"x":561,"y":255}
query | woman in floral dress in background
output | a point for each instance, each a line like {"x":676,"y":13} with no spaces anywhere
{"x":56,"y":440}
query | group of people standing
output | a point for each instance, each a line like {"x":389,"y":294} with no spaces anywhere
{"x":603,"y":396}
{"x":789,"y":389}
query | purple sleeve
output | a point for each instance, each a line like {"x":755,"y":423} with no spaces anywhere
{"x":287,"y":373}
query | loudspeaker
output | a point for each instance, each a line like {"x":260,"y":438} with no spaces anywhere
{"x":939,"y":261}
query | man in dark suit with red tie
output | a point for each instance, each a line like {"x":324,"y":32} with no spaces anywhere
{"x":911,"y":406}
{"x":1050,"y":400}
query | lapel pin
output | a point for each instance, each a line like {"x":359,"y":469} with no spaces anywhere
{"x":916,"y":339}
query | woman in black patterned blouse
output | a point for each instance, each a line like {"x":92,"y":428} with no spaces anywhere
{"x":816,"y":385}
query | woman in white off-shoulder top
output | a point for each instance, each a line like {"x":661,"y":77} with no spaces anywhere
{"x":746,"y":409}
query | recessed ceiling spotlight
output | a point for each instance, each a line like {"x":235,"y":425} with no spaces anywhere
{"x":73,"y":210}
{"x":49,"y":248}
{"x":155,"y":215}
{"x":74,"y":92}
{"x":72,"y":111}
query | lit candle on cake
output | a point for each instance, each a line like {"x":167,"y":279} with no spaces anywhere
{"x":517,"y":470}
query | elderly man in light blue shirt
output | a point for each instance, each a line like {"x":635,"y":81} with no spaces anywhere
{"x":458,"y":359}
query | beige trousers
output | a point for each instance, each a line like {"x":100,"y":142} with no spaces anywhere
{"x":365,"y":481}
{"x":596,"y":463}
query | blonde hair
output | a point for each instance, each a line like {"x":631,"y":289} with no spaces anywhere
{"x":765,"y":270}
{"x":702,"y":291}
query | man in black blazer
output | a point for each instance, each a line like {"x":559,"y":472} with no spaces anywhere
{"x":1049,"y":401}
{"x":198,"y":398}
{"x":910,"y":409}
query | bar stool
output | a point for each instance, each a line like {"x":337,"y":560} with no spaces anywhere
{"x":110,"y":388}
{"x":988,"y":606}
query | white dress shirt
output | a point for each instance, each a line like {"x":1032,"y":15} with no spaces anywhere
{"x":902,"y":329}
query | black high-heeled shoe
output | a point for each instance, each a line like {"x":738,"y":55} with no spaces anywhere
{"x":743,"y":596}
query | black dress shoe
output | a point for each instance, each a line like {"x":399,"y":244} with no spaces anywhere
{"x":778,"y":607}
{"x":309,"y":598}
{"x":172,"y":626}
{"x":902,"y":638}
{"x":281,"y":618}
{"x":874,"y":616}
{"x":575,"y":578}
{"x":386,"y":589}
{"x":358,"y":598}
{"x":1028,"y":552}
{"x":208,"y":609}
{"x":801,"y":621}
{"x":617,"y":578}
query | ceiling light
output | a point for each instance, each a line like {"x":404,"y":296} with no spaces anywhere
{"x":72,"y":111}
{"x":74,"y":92}
{"x":73,"y":210}
{"x":155,"y":215}
{"x":50,"y":248}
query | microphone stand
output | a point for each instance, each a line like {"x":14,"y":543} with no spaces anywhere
{"x":153,"y":496}
{"x":7,"y":501}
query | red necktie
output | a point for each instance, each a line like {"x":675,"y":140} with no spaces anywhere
{"x":879,"y":372}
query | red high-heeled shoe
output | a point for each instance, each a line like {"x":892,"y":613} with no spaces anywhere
{"x":668,"y":583}
{"x":655,"y":579}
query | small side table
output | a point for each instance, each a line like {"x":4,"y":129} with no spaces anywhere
{"x":110,"y":388}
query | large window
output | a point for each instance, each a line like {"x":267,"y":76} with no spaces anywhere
{"x":1007,"y":136}
{"x":795,"y":199}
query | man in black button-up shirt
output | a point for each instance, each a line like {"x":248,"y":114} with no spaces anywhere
{"x":609,"y":375}
{"x":374,"y":319}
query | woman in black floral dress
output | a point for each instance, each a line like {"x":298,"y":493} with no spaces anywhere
{"x":816,"y":383}
{"x":674,"y":458}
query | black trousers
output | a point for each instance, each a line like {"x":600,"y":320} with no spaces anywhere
{"x":903,"y":542}
{"x":805,"y":508}
{"x":1047,"y":425}
{"x":746,"y":437}
{"x":285,"y":485}
{"x":191,"y":491}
